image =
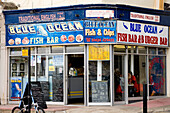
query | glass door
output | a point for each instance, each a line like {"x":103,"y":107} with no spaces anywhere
{"x":99,"y":82}
{"x":75,"y":79}
{"x":98,"y":75}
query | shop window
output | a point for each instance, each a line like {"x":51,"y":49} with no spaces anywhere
{"x":73,"y":49}
{"x":142,"y":50}
{"x":157,"y":71}
{"x":161,"y":51}
{"x":132,"y":49}
{"x":57,"y":49}
{"x":152,"y":50}
{"x":43,"y":50}
{"x":54,"y":92}
{"x":120,"y":48}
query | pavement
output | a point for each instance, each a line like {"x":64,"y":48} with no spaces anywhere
{"x":161,"y":105}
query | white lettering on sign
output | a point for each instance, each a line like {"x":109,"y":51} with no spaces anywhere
{"x":145,"y":17}
{"x":21,"y":29}
{"x":51,"y":27}
{"x":145,"y":34}
{"x":100,"y":13}
{"x":64,"y":26}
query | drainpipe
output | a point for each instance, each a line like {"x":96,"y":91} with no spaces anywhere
{"x":159,"y":4}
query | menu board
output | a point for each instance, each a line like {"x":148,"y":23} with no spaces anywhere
{"x":57,"y":88}
{"x":45,"y":88}
{"x":99,"y":91}
{"x":37,"y":94}
{"x":99,"y":52}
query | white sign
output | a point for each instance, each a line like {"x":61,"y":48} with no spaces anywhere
{"x":144,"y":17}
{"x":32,"y":60}
{"x":142,"y":34}
{"x":100,"y":13}
{"x":38,"y":59}
{"x":99,"y":71}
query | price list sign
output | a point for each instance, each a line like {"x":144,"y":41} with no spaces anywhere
{"x":99,"y":52}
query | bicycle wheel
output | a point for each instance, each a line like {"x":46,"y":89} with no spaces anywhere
{"x":17,"y":110}
{"x":40,"y":110}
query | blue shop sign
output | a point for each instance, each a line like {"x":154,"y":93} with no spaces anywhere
{"x":45,"y":33}
{"x":100,"y":31}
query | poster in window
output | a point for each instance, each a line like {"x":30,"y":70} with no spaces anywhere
{"x":15,"y":88}
{"x":38,"y":59}
{"x":14,"y":66}
{"x":99,"y":52}
{"x":21,"y":66}
{"x":32,"y":60}
{"x":58,"y":60}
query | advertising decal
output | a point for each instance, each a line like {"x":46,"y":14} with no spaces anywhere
{"x":142,"y":34}
{"x":15,"y":88}
{"x":100,"y":31}
{"x":45,"y":33}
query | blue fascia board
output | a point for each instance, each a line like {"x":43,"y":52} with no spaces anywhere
{"x":70,"y":12}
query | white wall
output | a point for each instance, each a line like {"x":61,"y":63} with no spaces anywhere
{"x":3,"y":62}
{"x":167,"y":72}
{"x":28,"y":4}
{"x":167,"y":1}
{"x":139,"y":3}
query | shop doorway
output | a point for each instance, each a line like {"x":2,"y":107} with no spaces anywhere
{"x":136,"y":77}
{"x":119,"y":78}
{"x":75,"y":79}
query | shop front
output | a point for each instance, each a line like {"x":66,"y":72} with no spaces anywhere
{"x":95,"y":58}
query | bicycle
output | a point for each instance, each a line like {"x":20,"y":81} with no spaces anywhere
{"x":23,"y":108}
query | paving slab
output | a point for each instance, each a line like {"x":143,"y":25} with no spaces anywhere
{"x":154,"y":106}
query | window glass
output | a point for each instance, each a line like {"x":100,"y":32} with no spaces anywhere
{"x":15,"y":51}
{"x":152,"y":50}
{"x":161,"y":51}
{"x":73,"y":49}
{"x":142,"y":49}
{"x":132,"y":49}
{"x":18,"y":51}
{"x":43,"y":50}
{"x":57,"y":49}
{"x":157,"y":71}
{"x":120,"y":48}
{"x":54,"y":92}
{"x":32,"y":50}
